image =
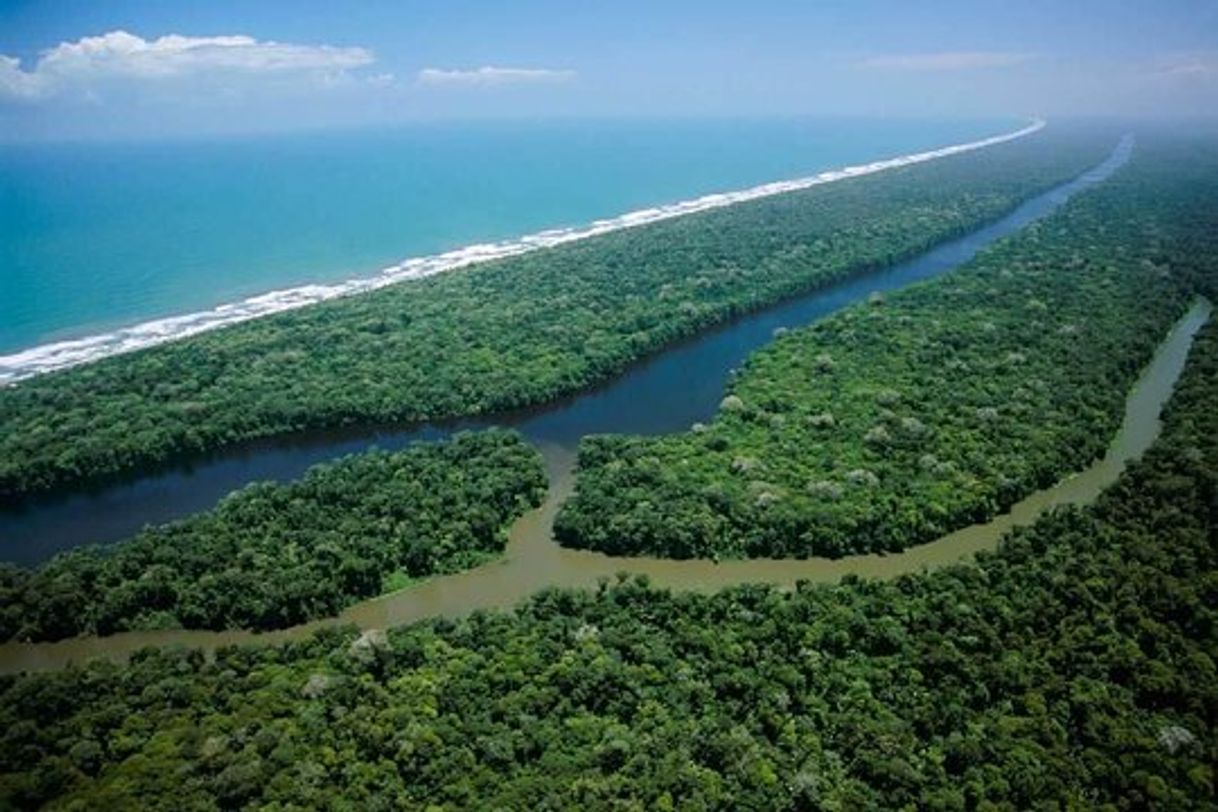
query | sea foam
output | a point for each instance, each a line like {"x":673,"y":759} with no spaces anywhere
{"x":63,"y":354}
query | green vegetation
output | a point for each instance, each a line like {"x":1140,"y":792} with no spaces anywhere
{"x":270,"y":556}
{"x":515,"y":332}
{"x":896,"y":421}
{"x":1073,"y":668}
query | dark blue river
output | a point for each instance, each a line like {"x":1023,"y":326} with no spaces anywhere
{"x":668,"y":392}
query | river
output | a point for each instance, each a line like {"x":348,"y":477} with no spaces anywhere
{"x":666,"y":393}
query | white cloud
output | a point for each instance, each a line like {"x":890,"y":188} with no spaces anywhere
{"x":16,"y":83}
{"x":488,"y":76}
{"x":1185,"y":67}
{"x":120,"y":56}
{"x":946,"y":60}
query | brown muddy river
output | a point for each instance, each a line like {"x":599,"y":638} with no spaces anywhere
{"x":534,"y":561}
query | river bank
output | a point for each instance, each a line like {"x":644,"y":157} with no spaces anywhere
{"x":533,"y":561}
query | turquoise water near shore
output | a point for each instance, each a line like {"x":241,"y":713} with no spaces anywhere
{"x":101,"y":235}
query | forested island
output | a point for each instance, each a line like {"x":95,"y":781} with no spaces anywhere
{"x":901,"y":419}
{"x":510,"y":333}
{"x":276,"y":555}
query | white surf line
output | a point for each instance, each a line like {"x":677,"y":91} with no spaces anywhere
{"x":63,"y":354}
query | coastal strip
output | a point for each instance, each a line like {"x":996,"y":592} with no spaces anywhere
{"x":63,"y":354}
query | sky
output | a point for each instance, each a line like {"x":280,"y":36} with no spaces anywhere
{"x":164,"y":68}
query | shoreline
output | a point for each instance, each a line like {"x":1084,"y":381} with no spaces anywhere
{"x":58,"y":355}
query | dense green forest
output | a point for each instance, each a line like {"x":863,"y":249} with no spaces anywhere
{"x":1072,"y":668}
{"x":271,"y":555}
{"x":514,"y":332}
{"x":898,"y":420}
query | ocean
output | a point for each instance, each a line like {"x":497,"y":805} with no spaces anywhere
{"x":98,"y":236}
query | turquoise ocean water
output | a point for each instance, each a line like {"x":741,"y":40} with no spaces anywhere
{"x":102,"y":235}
